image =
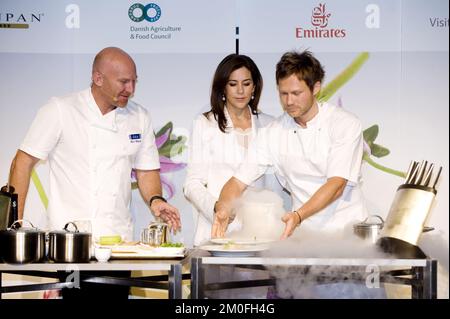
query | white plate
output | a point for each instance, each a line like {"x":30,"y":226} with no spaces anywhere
{"x":241,"y":241}
{"x":169,"y":250}
{"x":235,"y":250}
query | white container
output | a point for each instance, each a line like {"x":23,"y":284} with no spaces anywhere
{"x":259,"y":213}
{"x":102,"y":254}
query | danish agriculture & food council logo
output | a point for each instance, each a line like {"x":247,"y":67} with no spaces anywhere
{"x":149,"y":13}
{"x":12,"y":20}
{"x":319,"y":20}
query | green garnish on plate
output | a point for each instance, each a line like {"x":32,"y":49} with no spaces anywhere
{"x":178,"y":245}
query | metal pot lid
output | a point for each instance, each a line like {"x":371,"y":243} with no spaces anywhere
{"x":16,"y":228}
{"x":67,"y":232}
{"x":24,"y":230}
{"x":367,"y":223}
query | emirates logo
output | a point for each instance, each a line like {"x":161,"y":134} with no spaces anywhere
{"x":319,"y":16}
{"x":319,"y":20}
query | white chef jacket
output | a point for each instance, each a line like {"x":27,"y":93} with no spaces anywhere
{"x":330,"y":145}
{"x":91,"y":156}
{"x":214,"y":156}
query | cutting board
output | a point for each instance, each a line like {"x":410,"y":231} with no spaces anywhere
{"x":140,"y":251}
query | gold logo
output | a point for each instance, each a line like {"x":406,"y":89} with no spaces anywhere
{"x":14,"y":25}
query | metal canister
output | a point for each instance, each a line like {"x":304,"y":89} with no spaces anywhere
{"x":409,"y":212}
{"x":155,"y":234}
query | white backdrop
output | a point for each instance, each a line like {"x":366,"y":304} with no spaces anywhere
{"x":402,"y":86}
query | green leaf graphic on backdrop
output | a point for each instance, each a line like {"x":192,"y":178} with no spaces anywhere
{"x":37,"y":183}
{"x":369,"y":134}
{"x":166,"y":128}
{"x":328,"y":91}
{"x":379,"y":151}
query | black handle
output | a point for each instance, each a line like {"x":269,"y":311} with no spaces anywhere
{"x":66,"y":227}
{"x":14,"y":209}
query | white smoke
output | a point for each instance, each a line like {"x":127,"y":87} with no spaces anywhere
{"x":435,"y":245}
{"x":308,"y":243}
{"x":259,"y":212}
{"x":327,"y":281}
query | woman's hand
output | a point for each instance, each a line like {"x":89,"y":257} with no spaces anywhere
{"x":221,"y":221}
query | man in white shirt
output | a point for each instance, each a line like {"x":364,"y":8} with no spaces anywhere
{"x":315,"y":147}
{"x":92,"y":140}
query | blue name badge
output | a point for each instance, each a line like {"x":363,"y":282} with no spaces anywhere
{"x":134,"y":138}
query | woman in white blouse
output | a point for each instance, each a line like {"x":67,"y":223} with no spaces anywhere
{"x":220,"y":138}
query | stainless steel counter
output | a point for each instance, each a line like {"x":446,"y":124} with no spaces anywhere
{"x":420,"y":274}
{"x":172,"y":281}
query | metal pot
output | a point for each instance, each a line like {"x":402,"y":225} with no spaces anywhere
{"x":155,"y":234}
{"x":22,"y":245}
{"x":68,"y":246}
{"x":369,"y":230}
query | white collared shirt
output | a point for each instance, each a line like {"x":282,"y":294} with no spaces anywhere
{"x":91,"y":156}
{"x":330,"y":145}
{"x":214,"y":157}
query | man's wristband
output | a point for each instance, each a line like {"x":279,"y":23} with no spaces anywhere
{"x":300,"y":219}
{"x":154,"y":198}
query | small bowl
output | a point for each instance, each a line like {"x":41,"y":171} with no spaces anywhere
{"x":102,"y":254}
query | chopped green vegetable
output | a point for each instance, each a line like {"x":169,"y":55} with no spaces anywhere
{"x":172,"y":245}
{"x":110,"y":240}
{"x":229,"y":244}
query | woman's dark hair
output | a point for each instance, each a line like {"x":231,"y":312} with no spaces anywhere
{"x":228,"y":65}
{"x":303,"y":64}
